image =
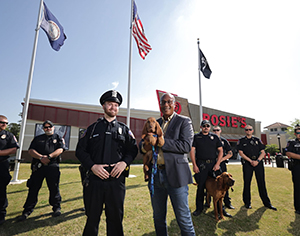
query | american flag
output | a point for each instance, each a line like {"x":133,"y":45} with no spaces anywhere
{"x":139,"y":35}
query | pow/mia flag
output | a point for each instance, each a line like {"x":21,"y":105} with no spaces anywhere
{"x":204,"y":67}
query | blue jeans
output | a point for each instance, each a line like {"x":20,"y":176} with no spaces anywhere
{"x":179,"y":200}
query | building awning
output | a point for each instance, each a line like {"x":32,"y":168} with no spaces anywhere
{"x":232,"y":137}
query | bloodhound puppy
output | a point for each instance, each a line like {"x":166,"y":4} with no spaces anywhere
{"x":153,"y":137}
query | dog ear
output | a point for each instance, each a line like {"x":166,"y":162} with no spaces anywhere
{"x":220,"y":181}
{"x":144,"y":132}
{"x":158,"y":129}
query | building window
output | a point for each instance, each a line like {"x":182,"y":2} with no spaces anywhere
{"x":271,"y":130}
{"x":283,"y":129}
{"x":63,"y":131}
{"x":275,"y":129}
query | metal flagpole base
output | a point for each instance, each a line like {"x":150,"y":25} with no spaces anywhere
{"x":17,"y":181}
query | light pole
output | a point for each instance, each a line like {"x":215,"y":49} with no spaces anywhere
{"x":278,"y":136}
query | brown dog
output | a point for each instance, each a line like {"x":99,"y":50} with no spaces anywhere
{"x":217,"y":189}
{"x":153,"y":136}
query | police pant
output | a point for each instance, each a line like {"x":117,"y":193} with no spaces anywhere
{"x":110,"y":193}
{"x":226,"y":197}
{"x":52,"y":175}
{"x":205,"y":170}
{"x":296,"y":182}
{"x":260,"y":179}
{"x":5,"y":177}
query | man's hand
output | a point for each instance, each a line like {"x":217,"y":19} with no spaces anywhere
{"x":254,"y":163}
{"x":216,"y":167}
{"x":45,"y":161}
{"x":196,"y":169}
{"x":99,"y":171}
{"x":118,"y":168}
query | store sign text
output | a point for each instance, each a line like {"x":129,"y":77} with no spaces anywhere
{"x":226,"y":121}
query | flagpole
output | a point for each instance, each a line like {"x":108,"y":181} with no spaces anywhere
{"x":26,"y":102}
{"x":129,"y":68}
{"x":199,"y":70}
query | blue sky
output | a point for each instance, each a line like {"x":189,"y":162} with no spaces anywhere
{"x":252,"y":47}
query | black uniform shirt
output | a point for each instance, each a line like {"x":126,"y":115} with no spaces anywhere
{"x":206,"y":146}
{"x":293,"y":146}
{"x":250,"y":147}
{"x":46,"y":144}
{"x":7,"y":140}
{"x":90,"y":148}
{"x":226,"y":146}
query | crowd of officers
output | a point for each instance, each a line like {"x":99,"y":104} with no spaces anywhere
{"x":108,"y":147}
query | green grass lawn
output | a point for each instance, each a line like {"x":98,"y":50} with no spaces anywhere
{"x":138,"y":212}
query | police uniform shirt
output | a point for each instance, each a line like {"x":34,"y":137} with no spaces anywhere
{"x":7,"y":140}
{"x":294,"y":147}
{"x":206,"y":146}
{"x":226,"y":146}
{"x":90,"y":148}
{"x":46,"y":144}
{"x":250,"y":147}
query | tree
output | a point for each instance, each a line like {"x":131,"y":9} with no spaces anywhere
{"x":290,"y":130}
{"x":272,"y":149}
{"x":14,"y":128}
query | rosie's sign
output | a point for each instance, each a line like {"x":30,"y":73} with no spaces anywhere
{"x":226,"y":121}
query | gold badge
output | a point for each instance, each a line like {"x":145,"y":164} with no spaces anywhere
{"x":3,"y":136}
{"x":54,"y":141}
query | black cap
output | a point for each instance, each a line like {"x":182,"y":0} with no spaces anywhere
{"x":204,"y":122}
{"x":111,"y":96}
{"x":48,"y":122}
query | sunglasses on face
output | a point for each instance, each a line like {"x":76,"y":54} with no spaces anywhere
{"x":248,"y":129}
{"x":298,"y":132}
{"x":216,"y":130}
{"x":206,"y":126}
{"x":164,"y":102}
{"x":48,"y":127}
{"x":3,"y":122}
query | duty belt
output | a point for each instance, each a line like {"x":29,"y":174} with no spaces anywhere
{"x":207,"y":161}
{"x":253,"y":158}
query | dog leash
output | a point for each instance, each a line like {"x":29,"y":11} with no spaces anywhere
{"x":154,"y":170}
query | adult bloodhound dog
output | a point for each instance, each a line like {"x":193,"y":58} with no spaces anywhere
{"x":217,"y":189}
{"x":153,"y":137}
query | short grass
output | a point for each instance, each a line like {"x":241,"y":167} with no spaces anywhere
{"x":138,"y":213}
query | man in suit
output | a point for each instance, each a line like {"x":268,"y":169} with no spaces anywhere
{"x":173,"y":173}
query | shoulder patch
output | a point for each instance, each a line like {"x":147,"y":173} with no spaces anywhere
{"x":131,"y":134}
{"x":83,"y":134}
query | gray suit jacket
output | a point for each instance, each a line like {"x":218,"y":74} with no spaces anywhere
{"x":178,"y":142}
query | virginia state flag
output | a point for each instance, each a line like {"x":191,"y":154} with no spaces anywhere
{"x":53,"y":29}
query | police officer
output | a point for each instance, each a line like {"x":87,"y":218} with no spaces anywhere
{"x":8,"y":145}
{"x":227,"y":153}
{"x":293,"y":151}
{"x":251,"y":149}
{"x":203,"y":156}
{"x":106,"y":150}
{"x":45,"y":150}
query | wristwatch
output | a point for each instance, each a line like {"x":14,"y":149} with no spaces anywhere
{"x":48,"y":156}
{"x":258,"y":160}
